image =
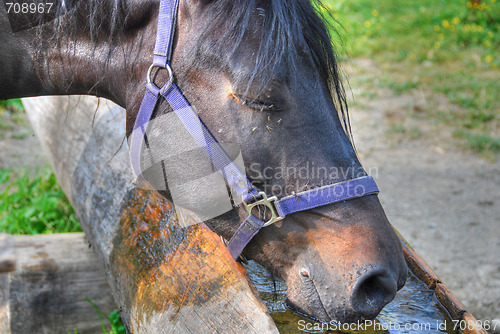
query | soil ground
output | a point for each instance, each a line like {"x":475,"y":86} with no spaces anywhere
{"x":443,"y":198}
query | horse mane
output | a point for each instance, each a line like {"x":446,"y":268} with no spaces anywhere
{"x":291,"y":29}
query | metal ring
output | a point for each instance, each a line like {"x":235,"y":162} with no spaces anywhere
{"x":170,"y":74}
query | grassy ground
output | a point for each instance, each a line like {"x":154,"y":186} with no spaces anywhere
{"x":440,"y":47}
{"x":30,"y":204}
{"x":34,"y":205}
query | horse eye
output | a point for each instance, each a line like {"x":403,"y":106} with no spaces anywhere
{"x":256,"y":104}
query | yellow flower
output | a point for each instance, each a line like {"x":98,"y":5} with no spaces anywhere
{"x":469,"y":4}
{"x":437,"y":28}
{"x":490,"y":34}
{"x":479,"y":28}
{"x":441,"y":37}
{"x":368,"y":24}
{"x":487,"y":43}
{"x":455,"y":20}
{"x":446,"y":24}
{"x":493,"y":1}
{"x":437,"y":45}
{"x":375,"y":12}
{"x":488,"y":58}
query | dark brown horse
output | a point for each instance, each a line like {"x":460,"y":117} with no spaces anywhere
{"x":262,"y":74}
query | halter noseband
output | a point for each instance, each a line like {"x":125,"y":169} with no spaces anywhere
{"x":251,"y":196}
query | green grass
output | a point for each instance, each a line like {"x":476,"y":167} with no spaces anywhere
{"x":480,"y":143}
{"x":34,"y":205}
{"x":449,"y":47}
{"x":11,"y":105}
{"x":117,"y":327}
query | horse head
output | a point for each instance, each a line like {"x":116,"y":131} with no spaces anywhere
{"x":263,"y":77}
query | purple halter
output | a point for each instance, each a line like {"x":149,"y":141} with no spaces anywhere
{"x":252,"y":197}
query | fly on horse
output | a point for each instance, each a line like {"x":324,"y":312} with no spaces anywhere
{"x":262,"y":74}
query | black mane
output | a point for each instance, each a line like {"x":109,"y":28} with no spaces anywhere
{"x":289,"y":29}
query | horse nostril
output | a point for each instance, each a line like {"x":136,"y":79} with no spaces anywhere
{"x":372,"y":291}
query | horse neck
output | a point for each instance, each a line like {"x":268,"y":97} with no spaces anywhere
{"x":40,"y":61}
{"x":16,"y":62}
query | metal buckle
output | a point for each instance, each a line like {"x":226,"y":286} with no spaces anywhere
{"x":168,"y":84}
{"x":268,"y":202}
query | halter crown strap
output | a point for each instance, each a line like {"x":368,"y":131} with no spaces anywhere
{"x":167,"y":19}
{"x":237,"y":180}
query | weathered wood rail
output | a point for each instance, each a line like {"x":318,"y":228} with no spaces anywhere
{"x":164,"y":278}
{"x":46,"y":292}
{"x":7,"y":260}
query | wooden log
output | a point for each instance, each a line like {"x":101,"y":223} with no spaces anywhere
{"x":7,"y":261}
{"x":46,"y":293}
{"x":165,"y":278}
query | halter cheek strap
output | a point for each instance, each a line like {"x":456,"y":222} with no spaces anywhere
{"x":252,"y":197}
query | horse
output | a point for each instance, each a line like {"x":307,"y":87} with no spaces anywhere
{"x":265,"y":76}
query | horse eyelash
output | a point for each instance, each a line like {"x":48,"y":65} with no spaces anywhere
{"x":255,"y":104}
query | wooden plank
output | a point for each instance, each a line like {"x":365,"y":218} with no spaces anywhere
{"x":165,"y":278}
{"x":47,"y":291}
{"x":7,"y":264}
{"x":7,"y":260}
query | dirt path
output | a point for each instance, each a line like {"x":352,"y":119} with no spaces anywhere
{"x":443,"y":199}
{"x":19,"y":148}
